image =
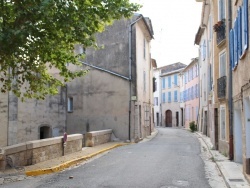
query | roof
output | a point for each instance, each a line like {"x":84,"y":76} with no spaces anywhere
{"x":172,"y":68}
{"x":194,"y":60}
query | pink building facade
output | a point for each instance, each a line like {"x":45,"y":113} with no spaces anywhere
{"x":190,"y":93}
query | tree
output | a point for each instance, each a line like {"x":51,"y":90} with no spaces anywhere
{"x":37,"y":35}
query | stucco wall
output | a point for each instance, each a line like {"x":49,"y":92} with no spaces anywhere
{"x":100,"y":99}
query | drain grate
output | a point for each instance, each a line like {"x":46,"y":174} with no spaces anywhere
{"x":236,"y":180}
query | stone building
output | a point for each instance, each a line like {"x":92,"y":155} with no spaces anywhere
{"x":117,"y":93}
{"x":32,"y":119}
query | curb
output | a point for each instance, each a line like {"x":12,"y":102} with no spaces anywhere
{"x":68,"y":163}
{"x":225,"y":180}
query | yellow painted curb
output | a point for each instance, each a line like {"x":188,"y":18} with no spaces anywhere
{"x":68,"y":163}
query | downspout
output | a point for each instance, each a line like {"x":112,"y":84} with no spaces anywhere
{"x":130,"y":73}
{"x":230,"y":91}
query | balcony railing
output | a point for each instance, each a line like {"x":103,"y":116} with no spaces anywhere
{"x":221,"y":87}
{"x":220,"y":29}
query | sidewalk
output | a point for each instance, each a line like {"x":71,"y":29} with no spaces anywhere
{"x":61,"y":163}
{"x":231,"y":171}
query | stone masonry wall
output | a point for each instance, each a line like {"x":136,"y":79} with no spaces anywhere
{"x":33,"y":152}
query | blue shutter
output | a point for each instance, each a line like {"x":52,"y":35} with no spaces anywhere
{"x":169,"y":82}
{"x":175,"y":96}
{"x":245,"y":10}
{"x":239,"y":33}
{"x":175,"y":79}
{"x":235,"y":43}
{"x":163,"y":83}
{"x":231,"y":48}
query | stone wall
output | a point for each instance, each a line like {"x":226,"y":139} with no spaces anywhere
{"x":98,"y":137}
{"x":33,"y":152}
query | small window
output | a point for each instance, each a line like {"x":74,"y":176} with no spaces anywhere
{"x":70,"y":104}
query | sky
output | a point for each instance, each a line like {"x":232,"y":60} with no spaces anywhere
{"x":175,"y":24}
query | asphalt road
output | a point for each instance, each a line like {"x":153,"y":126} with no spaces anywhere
{"x":170,"y":160}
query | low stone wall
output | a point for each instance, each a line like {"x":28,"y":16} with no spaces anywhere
{"x":33,"y":152}
{"x":94,"y":138}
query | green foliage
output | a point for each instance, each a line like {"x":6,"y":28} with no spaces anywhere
{"x":192,"y":126}
{"x":38,"y":35}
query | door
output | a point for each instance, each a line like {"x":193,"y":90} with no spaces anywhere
{"x":157,"y":119}
{"x":168,"y":120}
{"x":177,"y":119}
{"x":216,"y":129}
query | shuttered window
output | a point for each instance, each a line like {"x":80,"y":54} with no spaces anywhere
{"x":163,"y":83}
{"x":244,"y":23}
{"x":175,"y":96}
{"x":169,"y":82}
{"x":169,"y":96}
{"x":223,"y":64}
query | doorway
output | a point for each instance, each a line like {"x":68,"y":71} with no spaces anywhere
{"x":238,"y":136}
{"x":168,"y":119}
{"x":177,"y":119}
{"x":216,"y":129}
{"x":182,"y":117}
{"x":157,"y":119}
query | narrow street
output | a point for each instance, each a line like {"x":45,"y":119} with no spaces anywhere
{"x":173,"y":159}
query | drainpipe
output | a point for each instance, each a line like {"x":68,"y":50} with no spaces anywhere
{"x":230,"y":92}
{"x":130,"y":73}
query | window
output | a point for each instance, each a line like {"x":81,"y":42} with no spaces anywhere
{"x":163,"y":83}
{"x":175,"y":80}
{"x":70,"y":104}
{"x":169,"y":96}
{"x":156,"y":101}
{"x":223,"y":64}
{"x":222,"y":10}
{"x":222,"y":123}
{"x":163,"y":97}
{"x":169,"y":82}
{"x":154,"y":84}
{"x":238,"y":40}
{"x":144,"y":81}
{"x":175,"y":96}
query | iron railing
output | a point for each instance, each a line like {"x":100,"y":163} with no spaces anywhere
{"x":220,"y":29}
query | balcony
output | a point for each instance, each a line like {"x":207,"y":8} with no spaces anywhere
{"x":221,"y":87}
{"x":220,"y":29}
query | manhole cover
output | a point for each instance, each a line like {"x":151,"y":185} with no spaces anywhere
{"x":236,"y":180}
{"x":181,"y":183}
